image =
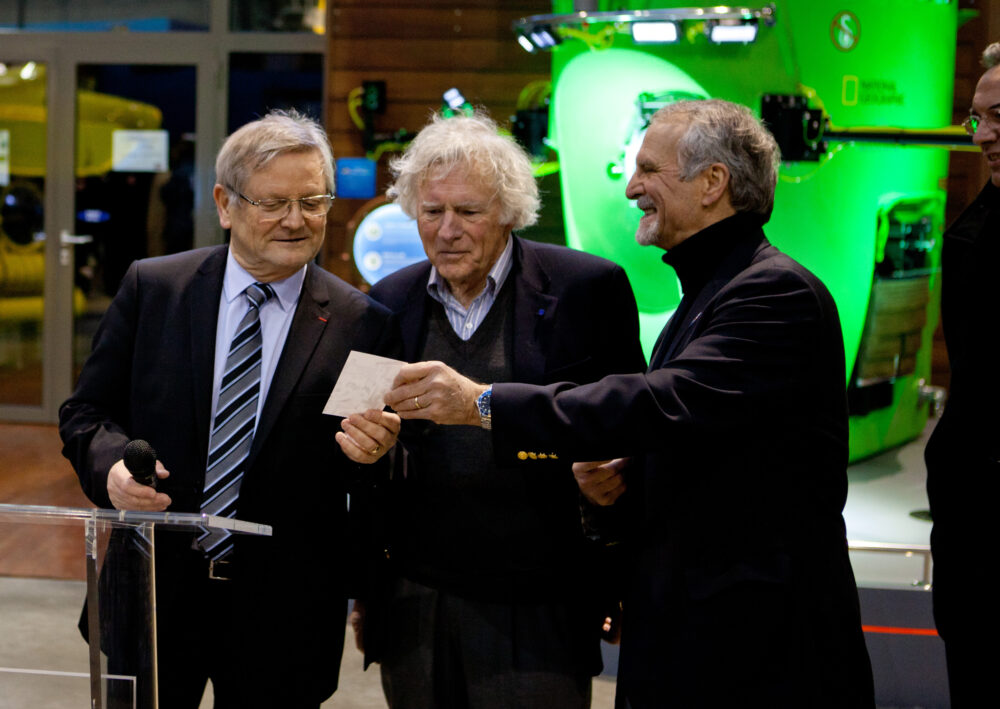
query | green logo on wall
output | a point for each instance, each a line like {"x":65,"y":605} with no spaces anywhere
{"x":845,"y":31}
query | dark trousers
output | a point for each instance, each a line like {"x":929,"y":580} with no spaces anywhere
{"x":965,"y":606}
{"x":200,"y":636}
{"x":448,"y":652}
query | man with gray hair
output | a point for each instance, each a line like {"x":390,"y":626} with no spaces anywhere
{"x":963,"y":454}
{"x":726,"y":461}
{"x":222,"y":358}
{"x":494,"y":598}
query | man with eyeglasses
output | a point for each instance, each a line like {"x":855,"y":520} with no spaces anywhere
{"x":222,"y":358}
{"x":963,"y":454}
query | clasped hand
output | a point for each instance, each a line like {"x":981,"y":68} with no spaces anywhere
{"x":601,"y":482}
{"x":367,"y":437}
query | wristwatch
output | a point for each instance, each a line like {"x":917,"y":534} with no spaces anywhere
{"x":483,"y":404}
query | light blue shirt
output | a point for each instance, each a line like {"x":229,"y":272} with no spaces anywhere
{"x":275,"y":321}
{"x":465,"y":321}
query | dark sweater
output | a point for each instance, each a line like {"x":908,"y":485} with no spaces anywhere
{"x":463,"y":523}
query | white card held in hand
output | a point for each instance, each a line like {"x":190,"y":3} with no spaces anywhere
{"x":364,"y":381}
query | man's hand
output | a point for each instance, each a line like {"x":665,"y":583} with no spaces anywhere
{"x":601,"y":482}
{"x":611,"y":629}
{"x":436,"y":392}
{"x":357,"y":619}
{"x":367,"y":437}
{"x":127,"y":494}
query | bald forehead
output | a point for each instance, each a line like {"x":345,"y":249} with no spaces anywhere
{"x":987,"y":91}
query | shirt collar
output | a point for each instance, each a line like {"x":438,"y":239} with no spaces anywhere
{"x":238,"y":279}
{"x":436,"y":285}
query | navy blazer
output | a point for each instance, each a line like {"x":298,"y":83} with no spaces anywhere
{"x":574,"y":320}
{"x":150,"y":376}
{"x":575,"y":316}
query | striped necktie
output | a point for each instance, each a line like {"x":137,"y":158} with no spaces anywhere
{"x":235,"y":418}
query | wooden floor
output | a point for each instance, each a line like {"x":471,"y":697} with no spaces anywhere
{"x":33,"y":472}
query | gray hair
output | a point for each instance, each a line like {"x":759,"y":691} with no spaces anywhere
{"x":718,"y":131}
{"x":991,"y":56}
{"x":251,"y":147}
{"x":472,"y":142}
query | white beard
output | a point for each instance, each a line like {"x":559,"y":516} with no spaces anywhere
{"x":647,"y":233}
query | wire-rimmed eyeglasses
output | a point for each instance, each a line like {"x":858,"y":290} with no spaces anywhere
{"x":974,"y":120}
{"x":270,"y":210}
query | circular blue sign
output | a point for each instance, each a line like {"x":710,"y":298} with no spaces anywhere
{"x":385,"y":241}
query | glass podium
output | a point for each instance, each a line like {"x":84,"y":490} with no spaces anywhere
{"x":121,"y":583}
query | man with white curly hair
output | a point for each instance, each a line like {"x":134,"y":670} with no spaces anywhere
{"x":963,"y":454}
{"x":494,"y":599}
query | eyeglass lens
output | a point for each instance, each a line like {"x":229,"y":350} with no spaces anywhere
{"x":315,"y":206}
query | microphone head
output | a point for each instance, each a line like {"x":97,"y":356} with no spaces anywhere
{"x":140,"y":459}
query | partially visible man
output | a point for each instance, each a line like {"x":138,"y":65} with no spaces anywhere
{"x":963,"y":454}
{"x":222,"y":358}
{"x":740,"y":590}
{"x":495,"y":600}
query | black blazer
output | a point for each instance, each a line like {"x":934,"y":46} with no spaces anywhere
{"x":150,"y":376}
{"x":740,"y":589}
{"x":963,"y":454}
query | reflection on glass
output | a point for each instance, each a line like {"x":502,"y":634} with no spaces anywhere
{"x":277,"y":16}
{"x":105,"y":15}
{"x":261,"y":82}
{"x":134,"y":177}
{"x":22,"y":241}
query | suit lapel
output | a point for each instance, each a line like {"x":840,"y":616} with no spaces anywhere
{"x":413,"y":313}
{"x":534,"y":313}
{"x":310,"y":320}
{"x":206,"y":289}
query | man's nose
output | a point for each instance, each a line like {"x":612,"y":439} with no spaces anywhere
{"x":632,"y":188}
{"x":987,"y":133}
{"x":293,"y":217}
{"x":451,"y":225}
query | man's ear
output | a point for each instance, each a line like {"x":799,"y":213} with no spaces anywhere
{"x":222,"y":205}
{"x":716,"y":184}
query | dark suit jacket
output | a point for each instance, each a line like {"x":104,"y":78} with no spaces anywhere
{"x":574,"y":319}
{"x":740,"y":592}
{"x":150,"y":377}
{"x":963,"y":454}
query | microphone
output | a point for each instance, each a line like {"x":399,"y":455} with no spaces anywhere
{"x":140,"y":459}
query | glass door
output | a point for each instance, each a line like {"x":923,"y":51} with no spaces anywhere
{"x":24,"y":137}
{"x":134,"y":192}
{"x":100,"y":164}
{"x":108,"y":133}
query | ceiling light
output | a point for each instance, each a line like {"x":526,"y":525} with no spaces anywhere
{"x":743,"y":32}
{"x":654,"y":32}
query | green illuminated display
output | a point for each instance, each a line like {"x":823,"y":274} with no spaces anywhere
{"x":885,"y":63}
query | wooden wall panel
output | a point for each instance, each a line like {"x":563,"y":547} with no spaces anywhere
{"x":424,"y":22}
{"x":420,"y":49}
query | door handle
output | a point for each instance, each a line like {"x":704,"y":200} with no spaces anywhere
{"x":67,"y":241}
{"x":66,"y":238}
